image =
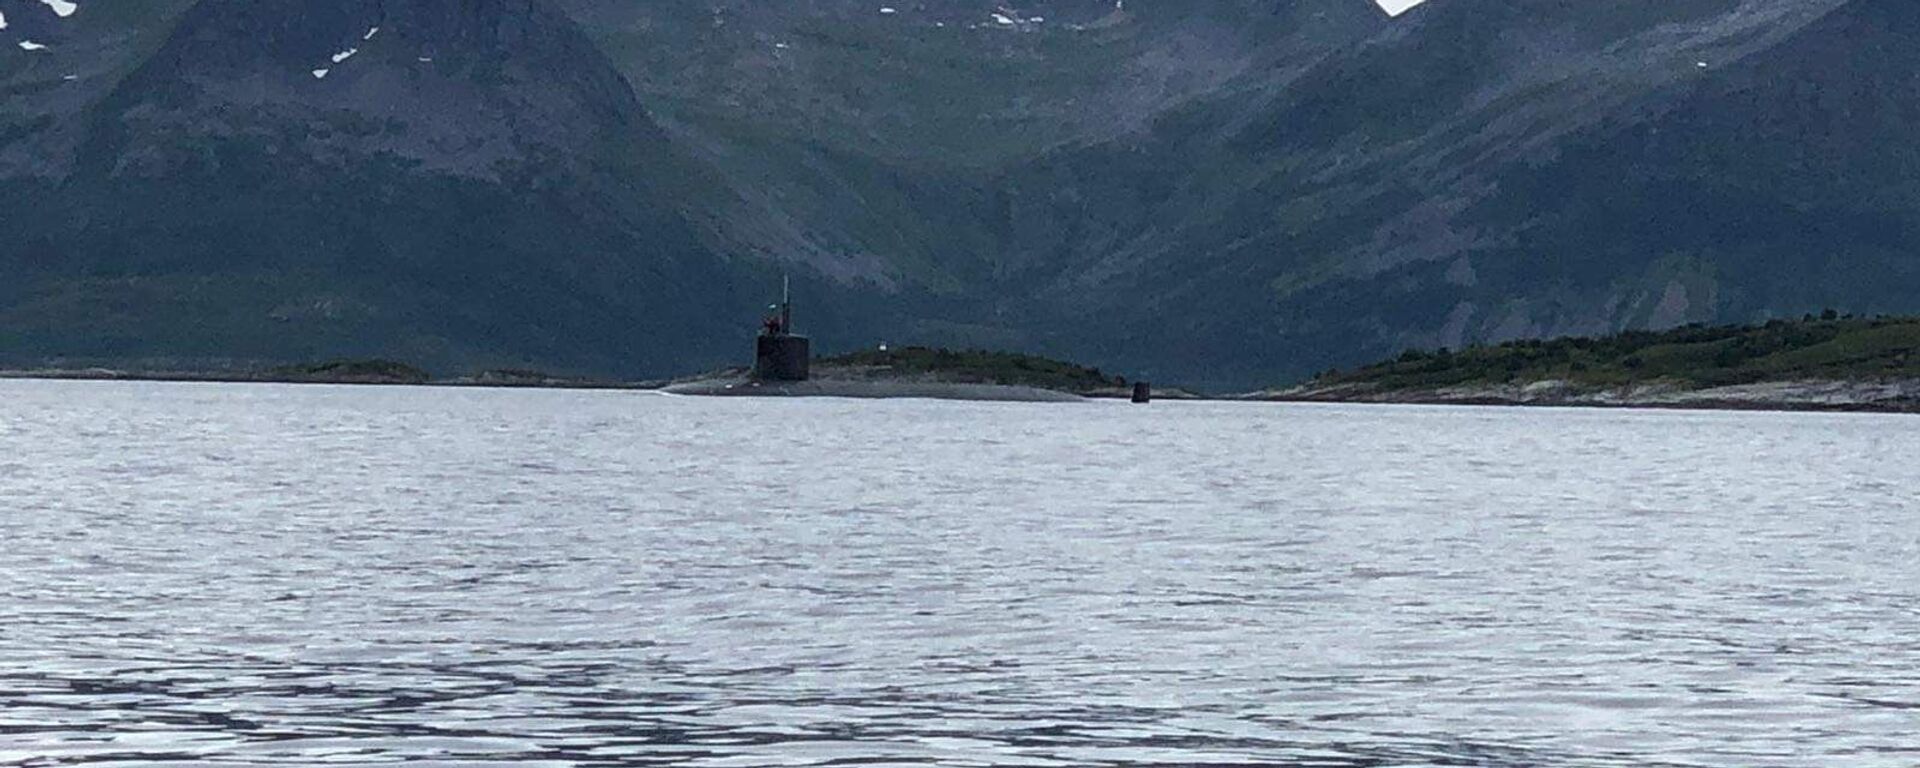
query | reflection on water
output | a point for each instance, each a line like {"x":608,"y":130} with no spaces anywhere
{"x":274,"y":575}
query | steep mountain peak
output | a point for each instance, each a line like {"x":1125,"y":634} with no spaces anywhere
{"x":479,"y":88}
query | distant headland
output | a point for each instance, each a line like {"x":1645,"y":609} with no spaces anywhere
{"x":1817,"y":362}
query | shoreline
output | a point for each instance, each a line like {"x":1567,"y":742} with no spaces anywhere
{"x":1758,"y":397}
{"x":1794,"y":396}
{"x":1695,"y":405}
{"x":884,"y":389}
{"x":169,"y":377}
{"x":702,"y":387}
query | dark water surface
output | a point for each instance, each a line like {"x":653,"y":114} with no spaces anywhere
{"x":298,"y":575}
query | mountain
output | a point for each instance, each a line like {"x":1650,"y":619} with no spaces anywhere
{"x":1339,"y":214}
{"x":1223,"y":192}
{"x":445,"y":182}
{"x":55,"y":63}
{"x":1781,"y":181}
{"x":871,"y":145}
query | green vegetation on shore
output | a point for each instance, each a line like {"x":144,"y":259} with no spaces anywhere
{"x":1826,"y":347}
{"x":970,"y":366}
{"x":350,"y":372}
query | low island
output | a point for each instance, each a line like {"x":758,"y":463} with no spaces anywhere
{"x":1825,"y":362}
{"x":923,"y":372}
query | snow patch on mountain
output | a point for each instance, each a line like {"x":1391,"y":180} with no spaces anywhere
{"x":61,"y":8}
{"x":348,"y":53}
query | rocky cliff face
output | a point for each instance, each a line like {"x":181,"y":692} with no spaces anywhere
{"x":1220,"y":191}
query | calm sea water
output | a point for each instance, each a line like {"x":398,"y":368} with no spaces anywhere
{"x":295,"y":575}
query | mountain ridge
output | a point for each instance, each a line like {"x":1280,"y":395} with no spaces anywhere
{"x":1218,"y":191}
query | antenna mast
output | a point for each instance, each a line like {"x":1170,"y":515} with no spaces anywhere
{"x":786,"y":304}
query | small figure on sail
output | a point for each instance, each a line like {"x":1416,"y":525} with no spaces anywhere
{"x":779,"y":353}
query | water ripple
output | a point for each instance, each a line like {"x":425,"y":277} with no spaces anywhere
{"x":259,"y":575}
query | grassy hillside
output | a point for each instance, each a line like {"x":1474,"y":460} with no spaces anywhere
{"x":1826,"y":347}
{"x":968,"y":366}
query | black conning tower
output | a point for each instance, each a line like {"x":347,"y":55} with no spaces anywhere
{"x":780,"y":354}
